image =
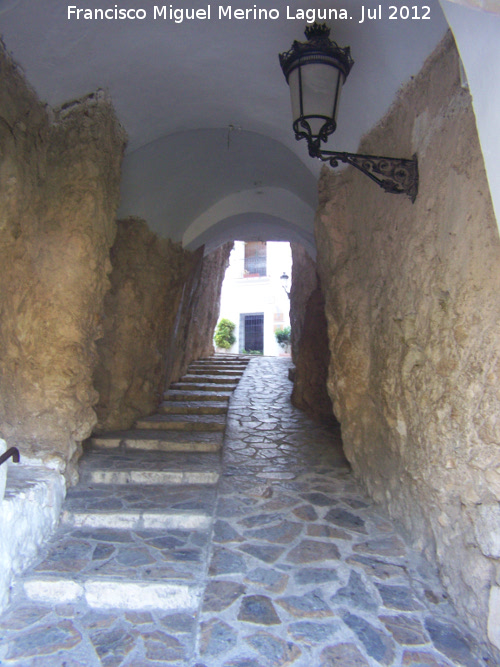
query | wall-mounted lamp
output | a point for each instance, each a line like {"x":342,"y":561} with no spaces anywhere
{"x":284,"y":283}
{"x":315,"y":72}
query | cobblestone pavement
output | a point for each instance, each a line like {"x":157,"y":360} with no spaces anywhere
{"x":298,"y":567}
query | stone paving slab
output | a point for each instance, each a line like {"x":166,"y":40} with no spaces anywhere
{"x":304,"y":570}
{"x":72,"y":635}
{"x":301,"y":568}
{"x":300,"y":583}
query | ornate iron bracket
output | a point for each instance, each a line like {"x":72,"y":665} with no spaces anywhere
{"x":394,"y":175}
{"x":14,"y":452}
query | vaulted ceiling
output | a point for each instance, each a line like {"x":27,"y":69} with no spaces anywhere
{"x":211,"y":152}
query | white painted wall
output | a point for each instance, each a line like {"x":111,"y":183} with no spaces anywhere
{"x":257,"y":295}
{"x":477,"y":35}
{"x":28,"y":515}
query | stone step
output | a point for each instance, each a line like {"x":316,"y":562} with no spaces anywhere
{"x":220,"y":367}
{"x":201,"y":372}
{"x":191,"y":395}
{"x":138,"y":507}
{"x":213,"y":379}
{"x":204,"y":363}
{"x":205,"y":386}
{"x":160,"y":439}
{"x":137,"y":520}
{"x":153,"y":477}
{"x":213,"y":370}
{"x":185,"y":423}
{"x":104,"y":593}
{"x":129,"y":466}
{"x":137,"y":497}
{"x":224,"y":358}
{"x":111,"y":568}
{"x":193,"y":407}
{"x":216,"y":363}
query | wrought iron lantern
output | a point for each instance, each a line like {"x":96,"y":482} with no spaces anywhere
{"x":315,"y":72}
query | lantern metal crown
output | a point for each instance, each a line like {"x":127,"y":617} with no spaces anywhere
{"x":315,"y":72}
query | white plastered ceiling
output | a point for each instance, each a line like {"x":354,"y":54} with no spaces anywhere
{"x":211,"y":151}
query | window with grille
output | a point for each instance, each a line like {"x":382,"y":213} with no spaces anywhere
{"x":255,"y":259}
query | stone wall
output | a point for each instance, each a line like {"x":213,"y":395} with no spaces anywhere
{"x":199,"y":312}
{"x":413,"y":322}
{"x":30,"y":512}
{"x":147,"y":279}
{"x":310,"y":351}
{"x":59,"y":188}
{"x":159,"y":316}
{"x":304,"y":282}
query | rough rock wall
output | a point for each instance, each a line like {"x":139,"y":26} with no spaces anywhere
{"x":304,"y":282}
{"x":310,"y":351}
{"x":59,"y":189}
{"x":159,"y":316}
{"x":413,"y":322}
{"x":199,"y":312}
{"x":140,"y":309}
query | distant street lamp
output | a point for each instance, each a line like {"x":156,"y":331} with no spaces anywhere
{"x":284,"y":283}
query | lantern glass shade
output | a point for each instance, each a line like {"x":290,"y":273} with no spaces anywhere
{"x":315,"y":89}
{"x":315,"y":71}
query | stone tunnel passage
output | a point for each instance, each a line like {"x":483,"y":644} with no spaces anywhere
{"x":411,"y":302}
{"x":296,"y":566}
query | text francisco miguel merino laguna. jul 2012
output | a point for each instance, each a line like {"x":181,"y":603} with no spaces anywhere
{"x":254,"y":13}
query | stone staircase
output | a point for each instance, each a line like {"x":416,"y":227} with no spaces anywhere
{"x":192,"y":417}
{"x":135,"y":531}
